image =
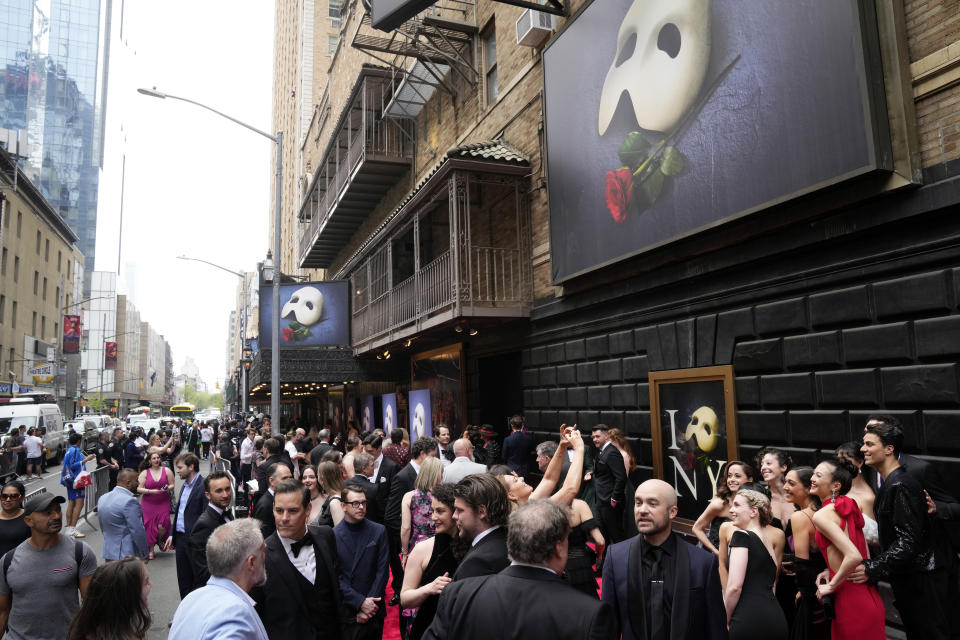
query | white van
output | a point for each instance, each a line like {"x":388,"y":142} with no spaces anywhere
{"x":32,"y":414}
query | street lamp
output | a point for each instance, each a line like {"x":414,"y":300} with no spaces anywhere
{"x":275,"y":338}
{"x":246,"y":302}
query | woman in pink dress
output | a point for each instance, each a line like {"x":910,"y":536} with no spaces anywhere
{"x":156,"y":483}
{"x":858,"y":609}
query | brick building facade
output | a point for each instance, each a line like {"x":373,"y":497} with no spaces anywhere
{"x":829,"y":307}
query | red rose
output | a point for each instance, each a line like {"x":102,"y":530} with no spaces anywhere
{"x":619,"y":192}
{"x":287,"y":334}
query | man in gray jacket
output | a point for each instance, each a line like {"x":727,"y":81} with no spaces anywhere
{"x":121,"y":520}
{"x":463,"y":464}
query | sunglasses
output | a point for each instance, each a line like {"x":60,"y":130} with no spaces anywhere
{"x":9,"y":496}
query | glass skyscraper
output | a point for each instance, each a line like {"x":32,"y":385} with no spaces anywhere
{"x":53,"y":94}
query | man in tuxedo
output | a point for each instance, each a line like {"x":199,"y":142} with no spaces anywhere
{"x":402,"y":483}
{"x":219,"y":492}
{"x":609,"y":479}
{"x":301,"y":598}
{"x":362,"y":551}
{"x":121,"y":519}
{"x":273,"y":450}
{"x":518,"y":448}
{"x":658,"y":585}
{"x":445,"y":450}
{"x":190,"y":506}
{"x":480,"y":509}
{"x":317,"y":452}
{"x":528,"y":599}
{"x":384,"y":471}
{"x":263,"y":510}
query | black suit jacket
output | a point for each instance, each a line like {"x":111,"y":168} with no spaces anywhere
{"x":196,"y":504}
{"x":609,"y":475}
{"x":263,"y":511}
{"x":382,"y":482}
{"x":401,"y":483}
{"x":517,"y":452}
{"x":317,"y":452}
{"x":206,"y":523}
{"x":282,"y":604}
{"x":487,"y":557}
{"x":698,"y":611}
{"x":520,"y":602}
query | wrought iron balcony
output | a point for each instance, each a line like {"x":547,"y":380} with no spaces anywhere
{"x":366,"y":156}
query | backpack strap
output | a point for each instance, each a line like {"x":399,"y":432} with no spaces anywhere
{"x":7,"y":559}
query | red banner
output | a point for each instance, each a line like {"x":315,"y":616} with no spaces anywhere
{"x":72,"y":330}
{"x":110,"y":355}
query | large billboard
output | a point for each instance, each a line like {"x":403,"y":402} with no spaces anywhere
{"x":72,"y":330}
{"x":110,"y":355}
{"x":690,"y":113}
{"x":311,"y":314}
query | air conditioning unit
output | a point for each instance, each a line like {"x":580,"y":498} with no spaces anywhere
{"x":534,"y":27}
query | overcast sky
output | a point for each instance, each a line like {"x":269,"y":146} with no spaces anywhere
{"x":196,"y":184}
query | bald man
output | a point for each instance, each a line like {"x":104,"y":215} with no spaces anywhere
{"x":659,"y":586}
{"x":463,"y":464}
{"x":121,"y":519}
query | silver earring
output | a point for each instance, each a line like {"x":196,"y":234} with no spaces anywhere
{"x":834,"y":494}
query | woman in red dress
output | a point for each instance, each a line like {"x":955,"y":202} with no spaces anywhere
{"x":839,"y":534}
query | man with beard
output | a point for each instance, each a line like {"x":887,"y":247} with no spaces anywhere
{"x":658,"y":585}
{"x":223,"y":608}
{"x":42,"y":577}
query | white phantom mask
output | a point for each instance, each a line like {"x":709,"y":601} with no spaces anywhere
{"x":388,"y":420}
{"x":663,"y":49}
{"x":705,"y":428}
{"x":366,"y":419}
{"x":306,"y":304}
{"x":419,"y":419}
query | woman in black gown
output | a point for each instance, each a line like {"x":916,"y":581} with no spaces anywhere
{"x":753,"y":612}
{"x":432,"y":563}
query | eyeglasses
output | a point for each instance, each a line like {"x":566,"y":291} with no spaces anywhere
{"x":8,"y":496}
{"x":358,"y":504}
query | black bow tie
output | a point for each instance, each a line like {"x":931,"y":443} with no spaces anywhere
{"x":300,"y":544}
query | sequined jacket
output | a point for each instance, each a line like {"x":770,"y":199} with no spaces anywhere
{"x":905,"y":535}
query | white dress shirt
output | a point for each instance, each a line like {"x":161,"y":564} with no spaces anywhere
{"x":483,"y":534}
{"x":306,"y":562}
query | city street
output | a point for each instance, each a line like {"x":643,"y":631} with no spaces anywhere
{"x":164,"y":597}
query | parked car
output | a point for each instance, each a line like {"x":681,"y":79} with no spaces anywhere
{"x":87,"y":429}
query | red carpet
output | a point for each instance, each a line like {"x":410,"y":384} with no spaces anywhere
{"x":391,"y":629}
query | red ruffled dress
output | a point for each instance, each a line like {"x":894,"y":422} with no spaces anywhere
{"x":859,"y":610}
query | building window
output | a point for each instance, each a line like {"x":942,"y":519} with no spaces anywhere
{"x":46,"y":250}
{"x":39,"y":240}
{"x":19,"y":222}
{"x":489,"y":37}
{"x":33,"y":324}
{"x":3,"y":263}
{"x":13,"y":322}
{"x":332,"y":42}
{"x":59,"y":260}
{"x":69,"y":265}
{"x":44,"y":288}
{"x":58,"y":295}
{"x":43,"y":327}
{"x":16,"y":268}
{"x":56,"y":330}
{"x":36,"y":282}
{"x":3,"y":306}
{"x":336,"y":7}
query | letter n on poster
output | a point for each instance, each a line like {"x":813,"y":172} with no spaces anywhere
{"x":694,"y":430}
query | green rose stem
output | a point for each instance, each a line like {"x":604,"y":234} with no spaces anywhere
{"x":687,"y":117}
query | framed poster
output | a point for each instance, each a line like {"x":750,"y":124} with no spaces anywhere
{"x":694,"y":429}
{"x":368,"y":418}
{"x":389,"y":412}
{"x":420,"y":415}
{"x":441,"y":371}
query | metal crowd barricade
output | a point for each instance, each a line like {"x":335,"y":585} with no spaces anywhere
{"x":39,"y":491}
{"x":99,"y":487}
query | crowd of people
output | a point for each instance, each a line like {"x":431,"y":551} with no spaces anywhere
{"x":485,"y":540}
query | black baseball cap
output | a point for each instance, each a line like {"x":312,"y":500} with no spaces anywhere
{"x":41,"y":502}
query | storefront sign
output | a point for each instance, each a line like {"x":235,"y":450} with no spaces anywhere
{"x":312,"y":314}
{"x":693,"y":424}
{"x":42,"y":373}
{"x":421,"y":422}
{"x":689,"y":115}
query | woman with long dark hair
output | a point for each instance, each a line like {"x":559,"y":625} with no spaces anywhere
{"x":809,"y":621}
{"x":115,"y":606}
{"x":707,"y":526}
{"x":432,"y":563}
{"x":858,"y":610}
